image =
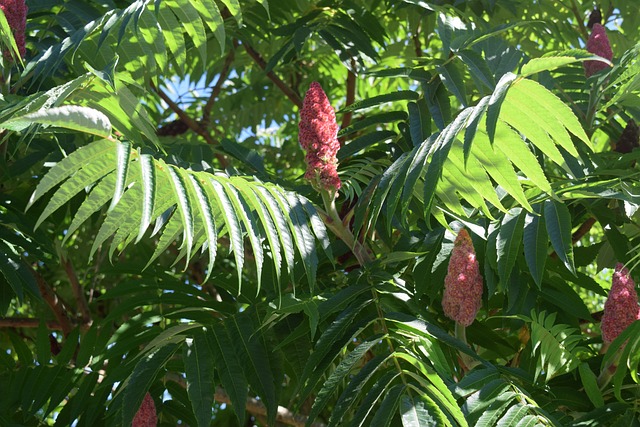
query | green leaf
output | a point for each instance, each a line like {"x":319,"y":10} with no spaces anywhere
{"x":367,"y":405}
{"x":354,"y":388}
{"x":71,"y":164}
{"x":207,"y":214}
{"x":440,"y":152}
{"x":477,"y":67}
{"x":453,"y":81}
{"x":198,"y":363}
{"x":509,"y":242}
{"x":419,"y":411}
{"x":333,"y":338}
{"x":338,"y":375}
{"x":253,"y":354}
{"x":387,"y":409}
{"x":148,"y":183}
{"x":498,"y":166}
{"x":549,"y":63}
{"x":232,"y":224}
{"x":558,"y":222}
{"x":438,"y":102}
{"x":590,"y":384}
{"x":516,"y":150}
{"x":247,"y":218}
{"x":228,"y":368}
{"x":123,"y":156}
{"x":141,"y":379}
{"x":495,"y":103}
{"x":381,"y":99}
{"x":7,"y":34}
{"x":535,"y":243}
{"x":74,"y":117}
{"x":513,"y":415}
{"x":363,"y":142}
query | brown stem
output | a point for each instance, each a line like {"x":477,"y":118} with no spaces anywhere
{"x":351,"y":96}
{"x":217,"y":88}
{"x":579,"y":233}
{"x":78,"y":292}
{"x":289,"y":92}
{"x":416,"y":41}
{"x":26,"y":322}
{"x":582,"y":230}
{"x":190,"y":122}
{"x":254,"y":406}
{"x":51,"y":298}
{"x":580,"y":20}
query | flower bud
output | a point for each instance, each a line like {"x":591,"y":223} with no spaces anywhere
{"x":463,"y":284}
{"x":598,"y":44}
{"x":318,"y":132}
{"x":146,"y":415}
{"x":16,"y":13}
{"x":621,"y":308}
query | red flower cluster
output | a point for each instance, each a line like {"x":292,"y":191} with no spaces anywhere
{"x":16,"y":13}
{"x":319,"y":137}
{"x":598,"y":44}
{"x":146,"y":415}
{"x":621,"y":308}
{"x":463,"y":285}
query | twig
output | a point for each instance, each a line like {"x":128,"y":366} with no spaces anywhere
{"x":188,"y":120}
{"x":217,"y":88}
{"x":351,"y":96}
{"x":289,"y":92}
{"x":191,"y":123}
{"x":78,"y":292}
{"x":579,"y":233}
{"x":416,"y":41}
{"x":253,"y":406}
{"x":256,"y":407}
{"x":51,"y":298}
{"x":26,"y":322}
{"x":582,"y":230}
{"x":580,"y":19}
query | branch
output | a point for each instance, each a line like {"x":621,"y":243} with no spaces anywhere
{"x":217,"y":88}
{"x":580,"y":20}
{"x":187,"y":119}
{"x":256,"y":407}
{"x":253,"y":406}
{"x":78,"y":292}
{"x":351,"y":96}
{"x":579,"y":233}
{"x":289,"y":92}
{"x":416,"y":41}
{"x":190,"y":122}
{"x":54,"y":303}
{"x":26,"y":322}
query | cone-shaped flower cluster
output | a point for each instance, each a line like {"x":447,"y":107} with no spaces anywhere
{"x":463,"y":285}
{"x":621,"y":308}
{"x":318,"y":136}
{"x":146,"y":415}
{"x":16,"y":13}
{"x":598,"y":44}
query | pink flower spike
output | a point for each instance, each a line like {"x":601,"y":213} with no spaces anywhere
{"x":598,"y":44}
{"x":16,"y":13}
{"x":146,"y":415}
{"x":318,"y":135}
{"x":463,"y":284}
{"x":621,"y":308}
